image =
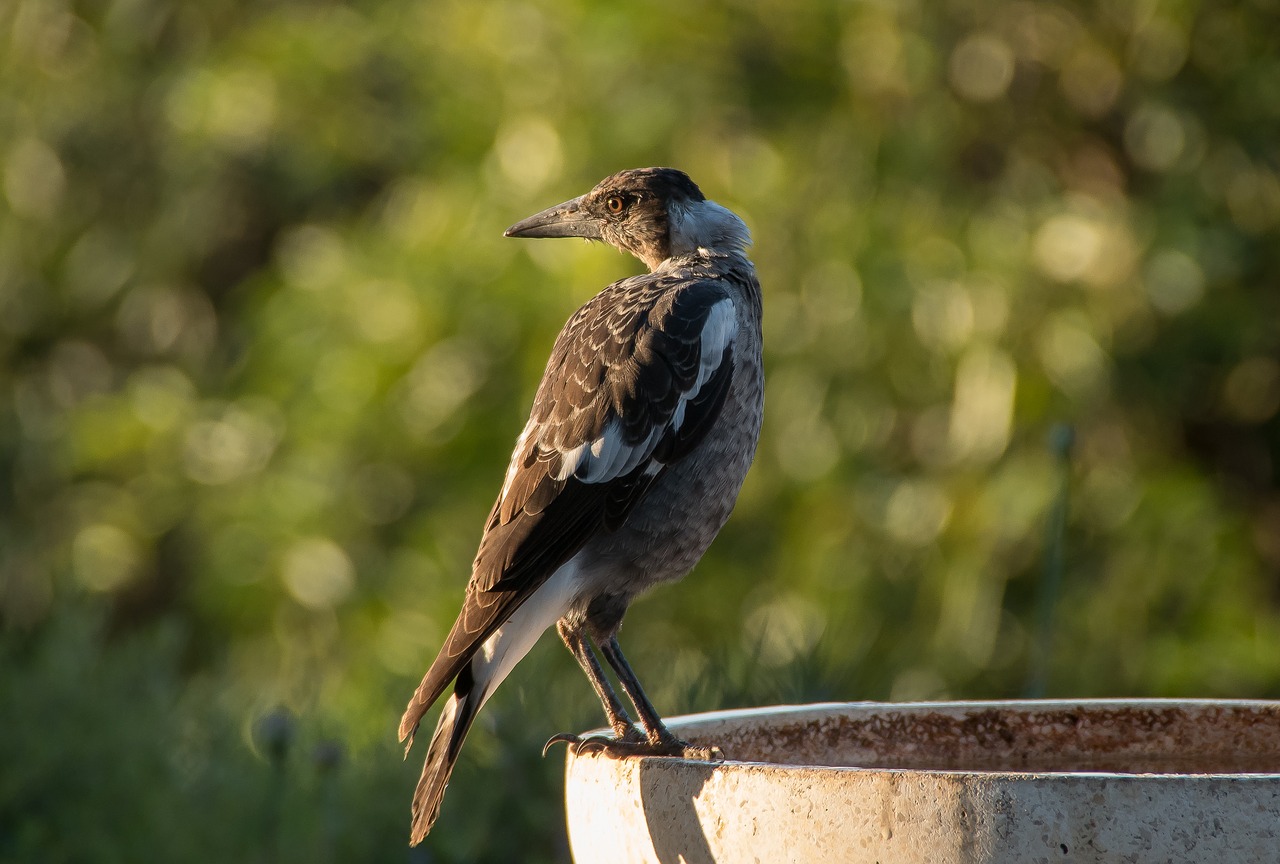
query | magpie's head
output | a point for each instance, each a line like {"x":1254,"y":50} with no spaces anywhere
{"x":653,"y":213}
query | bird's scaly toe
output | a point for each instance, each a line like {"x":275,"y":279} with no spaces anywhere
{"x":699,"y":753}
{"x":661,"y":742}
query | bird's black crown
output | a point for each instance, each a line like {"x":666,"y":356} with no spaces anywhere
{"x":663,"y":184}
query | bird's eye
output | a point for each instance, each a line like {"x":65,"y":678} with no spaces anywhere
{"x":616,"y":204}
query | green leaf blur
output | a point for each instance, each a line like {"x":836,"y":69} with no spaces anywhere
{"x":264,"y":353}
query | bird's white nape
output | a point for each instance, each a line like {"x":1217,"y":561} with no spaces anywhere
{"x":706,"y":225}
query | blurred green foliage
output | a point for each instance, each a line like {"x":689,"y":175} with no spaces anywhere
{"x":263,"y":354}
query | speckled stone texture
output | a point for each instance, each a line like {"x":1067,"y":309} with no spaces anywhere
{"x":1088,"y":781}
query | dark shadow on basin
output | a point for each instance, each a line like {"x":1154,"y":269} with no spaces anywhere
{"x":668,"y":796}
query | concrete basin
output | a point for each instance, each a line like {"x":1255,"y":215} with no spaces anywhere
{"x":1041,"y":781}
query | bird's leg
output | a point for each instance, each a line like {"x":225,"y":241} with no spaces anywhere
{"x":623,"y":728}
{"x":655,"y":730}
{"x":659,"y":740}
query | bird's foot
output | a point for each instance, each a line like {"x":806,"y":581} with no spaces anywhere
{"x":591,"y":743}
{"x":666,"y":744}
{"x":637,"y":744}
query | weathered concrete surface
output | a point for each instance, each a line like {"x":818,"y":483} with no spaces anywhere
{"x":1087,"y":781}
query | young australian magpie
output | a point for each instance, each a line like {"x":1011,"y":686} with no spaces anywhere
{"x":641,"y":434}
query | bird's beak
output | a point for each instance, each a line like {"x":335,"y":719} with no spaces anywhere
{"x":563,"y":220}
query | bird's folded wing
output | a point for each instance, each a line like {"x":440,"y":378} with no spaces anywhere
{"x":636,"y":379}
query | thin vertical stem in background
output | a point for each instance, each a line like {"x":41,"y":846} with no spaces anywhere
{"x":1061,"y":439}
{"x":275,"y":733}
{"x":328,"y":758}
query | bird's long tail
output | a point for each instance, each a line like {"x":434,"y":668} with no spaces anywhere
{"x":446,"y":743}
{"x":486,"y":666}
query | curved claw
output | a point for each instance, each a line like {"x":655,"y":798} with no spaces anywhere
{"x":599,"y":744}
{"x":562,"y":737}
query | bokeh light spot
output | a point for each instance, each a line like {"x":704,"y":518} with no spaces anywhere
{"x":982,"y":412}
{"x":236,"y":108}
{"x":318,"y":573}
{"x":1158,"y":49}
{"x":1173,"y":280}
{"x":440,"y":382}
{"x":784,"y":629}
{"x":917,"y":511}
{"x":529,"y":153}
{"x":34,"y":179}
{"x":160,"y":396}
{"x":873,"y":55}
{"x":237,"y":443}
{"x":1091,"y":81}
{"x":942,"y":313}
{"x":382,"y":492}
{"x":384,"y":312}
{"x":1251,"y":393}
{"x":981,"y":67}
{"x":104,"y":557}
{"x":1066,"y":246}
{"x":1071,"y":356}
{"x":1155,"y":137}
{"x":806,"y":448}
{"x":312,"y":257}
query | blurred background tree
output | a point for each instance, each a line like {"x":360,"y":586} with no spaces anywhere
{"x":264,"y":352}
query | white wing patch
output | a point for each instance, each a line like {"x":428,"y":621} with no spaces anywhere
{"x":718,"y":333}
{"x":515,"y":458}
{"x":608,"y":457}
{"x":571,"y":459}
